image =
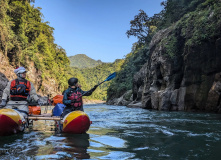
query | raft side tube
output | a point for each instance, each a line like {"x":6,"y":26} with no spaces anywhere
{"x":76,"y":122}
{"x":10,"y":122}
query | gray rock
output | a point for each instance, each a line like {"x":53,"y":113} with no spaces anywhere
{"x":164,"y":100}
{"x":135,"y":104}
{"x":155,"y":100}
{"x":3,"y":84}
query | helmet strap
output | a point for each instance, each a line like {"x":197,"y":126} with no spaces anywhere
{"x":20,"y":76}
{"x":73,"y":86}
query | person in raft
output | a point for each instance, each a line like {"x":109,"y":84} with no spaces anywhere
{"x":73,"y":96}
{"x":19,"y":91}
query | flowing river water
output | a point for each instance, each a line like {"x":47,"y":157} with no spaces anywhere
{"x":119,"y":132}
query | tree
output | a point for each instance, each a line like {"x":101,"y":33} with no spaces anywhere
{"x":6,"y":34}
{"x":143,"y":27}
{"x":138,"y":26}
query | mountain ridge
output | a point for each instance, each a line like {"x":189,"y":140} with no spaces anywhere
{"x":83,"y":61}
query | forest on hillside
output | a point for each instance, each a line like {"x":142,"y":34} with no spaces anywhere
{"x":83,"y":61}
{"x":25,"y":37}
{"x":88,"y":77}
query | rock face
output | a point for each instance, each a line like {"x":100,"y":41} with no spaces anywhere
{"x":124,"y":100}
{"x":3,"y":83}
{"x":183,"y":72}
{"x":190,"y":80}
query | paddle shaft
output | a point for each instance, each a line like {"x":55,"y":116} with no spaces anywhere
{"x":111,"y":76}
{"x":89,"y":90}
{"x":44,"y":118}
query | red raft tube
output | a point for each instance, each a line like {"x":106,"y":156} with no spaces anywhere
{"x":11,"y":122}
{"x":76,"y":122}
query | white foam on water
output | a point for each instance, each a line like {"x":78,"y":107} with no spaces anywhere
{"x":96,"y":151}
{"x":167,"y":132}
{"x":141,"y":148}
{"x":118,"y":155}
{"x":110,"y":141}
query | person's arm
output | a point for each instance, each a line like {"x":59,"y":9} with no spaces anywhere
{"x":6,"y":92}
{"x":87,"y":93}
{"x":65,"y":98}
{"x":5,"y":95}
{"x":33,"y":94}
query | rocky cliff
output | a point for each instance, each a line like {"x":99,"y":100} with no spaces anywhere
{"x":184,"y":68}
{"x":188,"y":81}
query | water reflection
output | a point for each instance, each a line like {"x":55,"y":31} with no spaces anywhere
{"x":109,"y":141}
{"x":65,"y":146}
{"x":118,"y":132}
{"x":77,"y":144}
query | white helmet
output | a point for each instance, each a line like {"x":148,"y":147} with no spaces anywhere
{"x":20,"y":70}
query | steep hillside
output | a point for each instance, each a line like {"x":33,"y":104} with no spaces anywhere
{"x":26,"y":40}
{"x":183,"y":69}
{"x":83,"y":61}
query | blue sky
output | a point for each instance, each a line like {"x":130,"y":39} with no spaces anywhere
{"x":96,"y":28}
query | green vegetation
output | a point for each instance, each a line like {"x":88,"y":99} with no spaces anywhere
{"x":24,"y":36}
{"x":195,"y":27}
{"x":83,"y":61}
{"x":203,"y":24}
{"x":132,"y":64}
{"x":171,"y":44}
{"x":191,"y":21}
{"x":88,"y":77}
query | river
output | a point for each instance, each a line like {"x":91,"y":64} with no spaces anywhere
{"x":119,"y":132}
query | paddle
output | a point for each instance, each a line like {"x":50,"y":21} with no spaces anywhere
{"x":110,"y":77}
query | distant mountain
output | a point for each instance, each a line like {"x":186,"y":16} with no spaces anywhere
{"x":91,"y":76}
{"x":83,"y":61}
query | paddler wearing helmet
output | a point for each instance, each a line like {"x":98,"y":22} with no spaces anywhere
{"x":73,"y":96}
{"x":19,"y":91}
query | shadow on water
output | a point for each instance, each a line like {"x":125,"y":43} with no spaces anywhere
{"x":118,"y":132}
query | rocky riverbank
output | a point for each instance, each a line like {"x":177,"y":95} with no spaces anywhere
{"x":94,"y":101}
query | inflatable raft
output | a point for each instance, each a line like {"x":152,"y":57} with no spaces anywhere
{"x":76,"y":122}
{"x":11,"y":122}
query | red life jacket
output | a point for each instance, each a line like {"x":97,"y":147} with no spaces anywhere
{"x":19,"y":90}
{"x":75,"y":97}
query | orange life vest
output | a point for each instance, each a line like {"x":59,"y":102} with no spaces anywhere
{"x":20,"y":90}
